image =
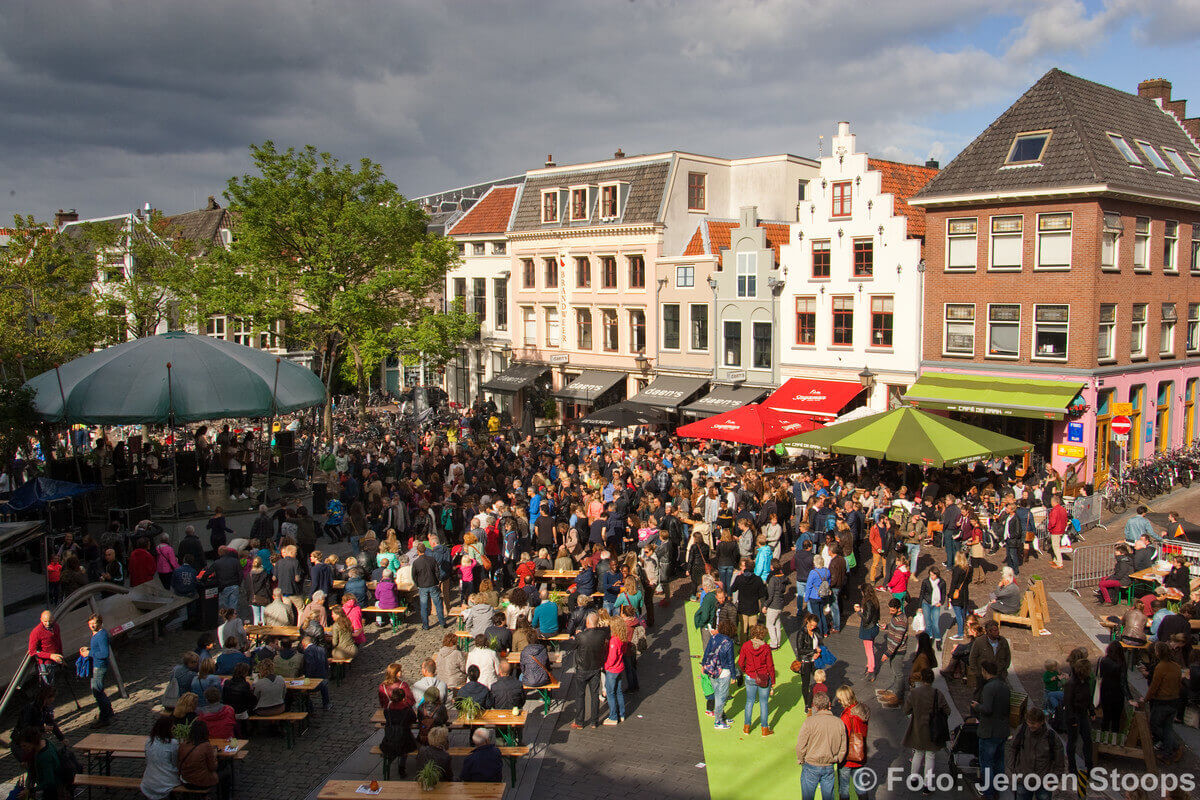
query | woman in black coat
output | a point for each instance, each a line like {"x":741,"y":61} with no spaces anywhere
{"x":807,"y":646}
{"x":960,"y":592}
{"x":868,"y":624}
{"x":1110,"y":671}
{"x":697,"y":559}
{"x":1078,"y":712}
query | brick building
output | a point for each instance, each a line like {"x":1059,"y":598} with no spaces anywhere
{"x":1061,"y":249}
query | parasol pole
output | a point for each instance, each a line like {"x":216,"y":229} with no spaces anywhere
{"x":174,"y":442}
{"x":271,"y":429}
{"x":70,"y":441}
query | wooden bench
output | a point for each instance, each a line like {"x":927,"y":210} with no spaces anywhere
{"x":393,"y":614}
{"x":132,"y":784}
{"x":338,"y":667}
{"x":1018,"y":704}
{"x":291,"y":723}
{"x":510,"y":753}
{"x":1034,"y":613}
{"x":1133,"y":741}
{"x":544,"y":692}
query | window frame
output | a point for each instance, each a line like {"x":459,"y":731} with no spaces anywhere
{"x":499,"y":247}
{"x":637,"y":276}
{"x":693,"y":318}
{"x":546,"y":218}
{"x":243,"y":332}
{"x":827,"y":249}
{"x":1017,"y":138}
{"x":1140,"y":326}
{"x":479,"y":300}
{"x":1141,"y":239}
{"x":746,"y":275}
{"x":1127,"y":152}
{"x":1005,"y":323}
{"x":1170,"y":246}
{"x":605,"y":272}
{"x":214,"y":321}
{"x":583,"y":272}
{"x":1194,"y":267}
{"x":1045,"y":233}
{"x":478,"y":248}
{"x":1116,"y":232}
{"x":1191,"y":342}
{"x":947,"y":321}
{"x":579,"y":203}
{"x":841,"y":199}
{"x":1006,"y":236}
{"x":1177,"y":160}
{"x":848,"y":325}
{"x":863,"y":267}
{"x":553,"y":324}
{"x":528,"y":315}
{"x":583,"y":314}
{"x":1156,"y":160}
{"x":952,"y":236}
{"x":1106,"y":331}
{"x":809,"y":325}
{"x":877,"y":318}
{"x":1038,"y":326}
{"x":680,"y":283}
{"x":755,"y":341}
{"x":1167,"y":326}
{"x":678,"y":327}
{"x":500,"y":302}
{"x":726,"y":326}
{"x":550,"y":271}
{"x":528,"y":274}
{"x":615,"y":190}
{"x":697,"y":191}
{"x":637,"y":332}
{"x":610,"y":321}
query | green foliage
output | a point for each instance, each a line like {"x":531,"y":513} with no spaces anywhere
{"x":468,"y":708}
{"x":48,"y":313}
{"x":429,"y":776}
{"x":18,"y":420}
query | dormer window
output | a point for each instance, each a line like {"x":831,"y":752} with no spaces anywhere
{"x":550,"y":206}
{"x":1027,"y":148}
{"x":1124,"y":149}
{"x":1176,"y":159}
{"x":579,"y":204}
{"x":608,"y":201}
{"x":1152,"y":154}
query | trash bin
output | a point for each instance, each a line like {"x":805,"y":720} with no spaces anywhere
{"x":206,"y":605}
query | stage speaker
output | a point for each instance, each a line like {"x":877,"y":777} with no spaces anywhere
{"x":320,"y":498}
{"x":187,"y":507}
{"x":270,"y":496}
{"x":285,"y":440}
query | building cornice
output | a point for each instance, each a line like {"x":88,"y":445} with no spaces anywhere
{"x":1067,"y":192}
{"x":647,"y":229}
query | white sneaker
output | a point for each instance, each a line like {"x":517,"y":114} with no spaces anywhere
{"x":243,"y":496}
{"x":232,"y":497}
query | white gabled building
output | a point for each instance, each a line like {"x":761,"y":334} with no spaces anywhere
{"x":852,"y":271}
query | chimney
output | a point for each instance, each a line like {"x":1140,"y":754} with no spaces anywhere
{"x":932,"y":163}
{"x":1155,"y":89}
{"x":1159,"y":90}
{"x":843,"y":129}
{"x":619,"y":154}
{"x":550,"y":160}
{"x":63,"y":217}
{"x":212,"y":205}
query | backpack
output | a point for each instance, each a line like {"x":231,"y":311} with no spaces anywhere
{"x":68,"y":768}
{"x":447,"y":518}
{"x":823,"y":589}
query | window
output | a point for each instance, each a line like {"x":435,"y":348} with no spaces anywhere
{"x":1027,"y":148}
{"x":843,"y":321}
{"x":962,"y":248}
{"x":500,"y":290}
{"x":670,"y":326}
{"x":637,"y":331}
{"x":1137,"y":330}
{"x":528,"y":279}
{"x":882,"y":316}
{"x":1195,"y":266}
{"x":242,"y":333}
{"x":733,"y":343}
{"x":1004,"y":331}
{"x":960,"y":329}
{"x":550,"y":206}
{"x":1166,"y":331}
{"x":1124,"y":148}
{"x":460,"y":292}
{"x":820,"y":251}
{"x":1141,"y":243}
{"x":499,"y":248}
{"x":550,"y":265}
{"x":478,"y":248}
{"x":479,"y":297}
{"x":1195,"y":159}
{"x":214,"y":326}
{"x":864,"y":258}
{"x":802,"y":190}
{"x":1106,"y":335}
{"x":1170,"y":246}
{"x":1152,"y":154}
{"x":1054,"y":241}
{"x":579,"y":204}
{"x":696,"y":198}
{"x":1050,"y":332}
{"x":1176,"y":159}
{"x":747,"y":274}
{"x":553,"y":327}
{"x":529,"y":320}
{"x":760,"y":345}
{"x":612,"y":336}
{"x":806,"y":320}
{"x":583,"y":272}
{"x":685,"y":277}
{"x":1193,"y":327}
{"x":608,"y":272}
{"x":637,"y":272}
{"x":1109,"y":237}
{"x":608,"y":202}
{"x":699,"y":326}
{"x":842,"y":195}
{"x":462,"y":248}
{"x":1007,"y":242}
{"x":583,"y":328}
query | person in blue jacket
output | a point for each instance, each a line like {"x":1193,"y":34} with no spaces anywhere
{"x":98,"y":650}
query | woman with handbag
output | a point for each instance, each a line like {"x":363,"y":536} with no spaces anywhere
{"x":855,"y":717}
{"x":960,"y":592}
{"x":757,"y":663}
{"x":868,"y":625}
{"x":717,"y":664}
{"x":973,"y":537}
{"x":928,"y":729}
{"x":807,"y":646}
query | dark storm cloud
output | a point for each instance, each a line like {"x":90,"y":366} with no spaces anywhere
{"x":111,"y":104}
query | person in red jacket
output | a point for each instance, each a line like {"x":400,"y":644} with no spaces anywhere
{"x":1056,"y":526}
{"x":757,"y":662}
{"x":143,"y":566}
{"x":854,"y":717}
{"x":45,"y":646}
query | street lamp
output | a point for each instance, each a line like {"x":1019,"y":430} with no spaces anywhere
{"x":642,"y":362}
{"x":867,"y":379}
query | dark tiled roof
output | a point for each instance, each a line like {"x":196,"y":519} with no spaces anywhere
{"x":201,"y":226}
{"x":720,"y":233}
{"x":647,"y":182}
{"x":489,"y":215}
{"x":902,"y":181}
{"x":1080,"y":113}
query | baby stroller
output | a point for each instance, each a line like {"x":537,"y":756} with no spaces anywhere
{"x":964,"y":741}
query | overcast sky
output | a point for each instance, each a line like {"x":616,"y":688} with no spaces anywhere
{"x":105,"y":106}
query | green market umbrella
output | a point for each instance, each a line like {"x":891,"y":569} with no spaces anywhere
{"x":174,"y":377}
{"x":910,"y":436}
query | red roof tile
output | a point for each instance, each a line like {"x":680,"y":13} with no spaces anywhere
{"x":903,"y":181}
{"x":720,"y":231}
{"x":489,"y":215}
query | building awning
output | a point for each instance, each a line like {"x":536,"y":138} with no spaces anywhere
{"x":722,"y":399}
{"x":985,"y":394}
{"x":516,"y":377}
{"x":589,"y":385}
{"x":669,"y":391}
{"x":815,"y":398}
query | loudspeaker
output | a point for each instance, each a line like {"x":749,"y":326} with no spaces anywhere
{"x":270,"y":496}
{"x":285,"y":440}
{"x":187,"y":507}
{"x":320,"y":498}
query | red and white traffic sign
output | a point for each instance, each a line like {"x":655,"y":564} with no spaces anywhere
{"x":1120,"y":425}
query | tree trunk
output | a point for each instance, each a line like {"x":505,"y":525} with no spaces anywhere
{"x":361,"y":378}
{"x":327,"y":362}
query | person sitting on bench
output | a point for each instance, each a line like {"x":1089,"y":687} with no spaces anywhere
{"x":1007,"y":597}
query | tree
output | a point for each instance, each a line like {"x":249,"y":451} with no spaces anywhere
{"x":340,"y":256}
{"x":18,"y":420}
{"x":48,"y":311}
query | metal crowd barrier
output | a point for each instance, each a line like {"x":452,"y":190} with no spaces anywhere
{"x":1087,"y":511}
{"x":1090,"y":564}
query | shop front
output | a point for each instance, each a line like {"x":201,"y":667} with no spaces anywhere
{"x":591,"y":389}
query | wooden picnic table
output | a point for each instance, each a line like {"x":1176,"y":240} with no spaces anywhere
{"x":133,"y":745}
{"x":267,"y":631}
{"x":1156,"y":574}
{"x":411,"y":790}
{"x":506,"y":723}
{"x":342,"y":585}
{"x":557,"y":574}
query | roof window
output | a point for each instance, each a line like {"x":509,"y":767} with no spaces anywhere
{"x":1124,"y":148}
{"x":1176,"y":159}
{"x":1152,"y":154}
{"x":1027,"y":148}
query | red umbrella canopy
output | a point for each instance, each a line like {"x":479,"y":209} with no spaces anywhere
{"x":754,"y":425}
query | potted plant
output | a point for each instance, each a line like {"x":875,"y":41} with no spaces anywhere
{"x":468,"y":708}
{"x":181,"y":731}
{"x":429,"y":776}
